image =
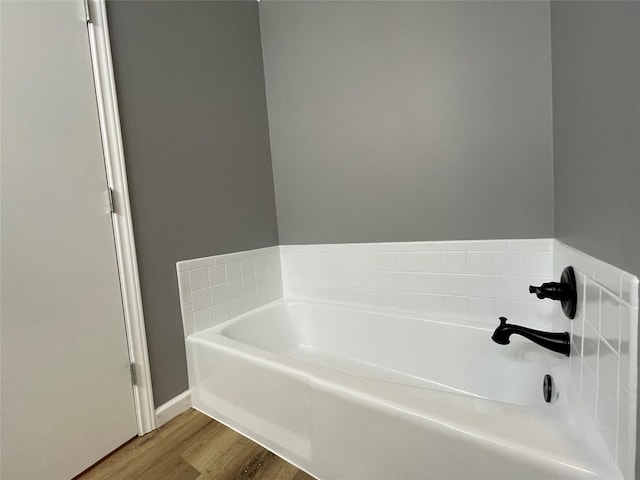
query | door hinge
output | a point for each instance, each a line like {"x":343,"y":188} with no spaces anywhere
{"x":134,"y":375}
{"x":112,"y":207}
{"x":87,"y":11}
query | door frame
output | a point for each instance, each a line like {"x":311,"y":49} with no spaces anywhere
{"x":111,"y":133}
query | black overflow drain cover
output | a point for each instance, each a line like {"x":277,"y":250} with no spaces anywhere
{"x":549,"y":389}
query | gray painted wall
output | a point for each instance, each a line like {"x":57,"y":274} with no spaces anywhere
{"x":395,"y":121}
{"x":596,"y":125}
{"x":191,"y":93}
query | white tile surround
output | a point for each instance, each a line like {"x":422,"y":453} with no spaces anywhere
{"x":475,"y":280}
{"x":604,"y":346}
{"x":472,"y":280}
{"x":215,"y":289}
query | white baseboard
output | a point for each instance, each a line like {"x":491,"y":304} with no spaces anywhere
{"x":173,"y":408}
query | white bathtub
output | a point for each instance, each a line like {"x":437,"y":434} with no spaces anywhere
{"x":346,"y":393}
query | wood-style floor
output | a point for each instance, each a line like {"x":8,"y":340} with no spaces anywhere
{"x":193,"y":446}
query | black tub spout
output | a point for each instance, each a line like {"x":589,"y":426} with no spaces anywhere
{"x":555,"y":341}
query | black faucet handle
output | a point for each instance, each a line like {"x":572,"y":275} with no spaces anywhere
{"x":565,"y":291}
{"x":537,"y":291}
{"x":503,"y":321}
{"x":552,"y":290}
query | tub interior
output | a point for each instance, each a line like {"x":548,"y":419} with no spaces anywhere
{"x":406,"y":350}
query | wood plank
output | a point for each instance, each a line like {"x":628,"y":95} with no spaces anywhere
{"x":189,"y":447}
{"x":131,"y":460}
{"x":303,"y":476}
{"x":275,"y":468}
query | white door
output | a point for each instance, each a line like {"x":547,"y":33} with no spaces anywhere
{"x":66,"y":395}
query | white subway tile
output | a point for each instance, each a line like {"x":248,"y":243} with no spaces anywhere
{"x":236,"y":306}
{"x":386,"y":262}
{"x":454,"y":262}
{"x":184,"y":287}
{"x":592,"y":303}
{"x":610,"y":319}
{"x":187,"y":318}
{"x":444,"y":246}
{"x":226,"y":258}
{"x":198,"y":278}
{"x":481,"y":263}
{"x":233,"y":271}
{"x":244,"y":255}
{"x":263,"y":297}
{"x":375,"y":279}
{"x":429,"y":283}
{"x":629,"y":289}
{"x":482,"y":310}
{"x":405,"y":246}
{"x":540,"y":316}
{"x":511,"y":263}
{"x":580,"y":293}
{"x":564,"y":256}
{"x":577,"y":333}
{"x":349,"y":261}
{"x":248,"y":267}
{"x":589,"y":390}
{"x":388,"y":300}
{"x":515,"y":311}
{"x":221,"y":312}
{"x":201,"y":299}
{"x":411,"y":302}
{"x":607,"y":371}
{"x":408,"y":282}
{"x":248,"y":285}
{"x":608,"y":276}
{"x":262,"y":281}
{"x":219,"y":294}
{"x":344,"y":278}
{"x":251,"y":301}
{"x":261,"y":264}
{"x":575,"y":368}
{"x":483,"y":286}
{"x":386,"y":280}
{"x":235,"y":288}
{"x":608,"y":421}
{"x":217,"y":274}
{"x":338,"y":260}
{"x":455,"y":307}
{"x":430,"y":262}
{"x":541,"y":244}
{"x":627,"y":316}
{"x":294,"y":274}
{"x":366,"y":261}
{"x":590,"y":342}
{"x":512,"y":288}
{"x":407,"y":262}
{"x":539,"y":264}
{"x":626,"y":434}
{"x":364,"y":297}
{"x":453,"y":284}
{"x":203,"y":319}
{"x":432,"y":304}
{"x":313,"y":260}
{"x":273,"y":261}
{"x":488,"y":245}
{"x":182,"y":266}
{"x":200,"y":263}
